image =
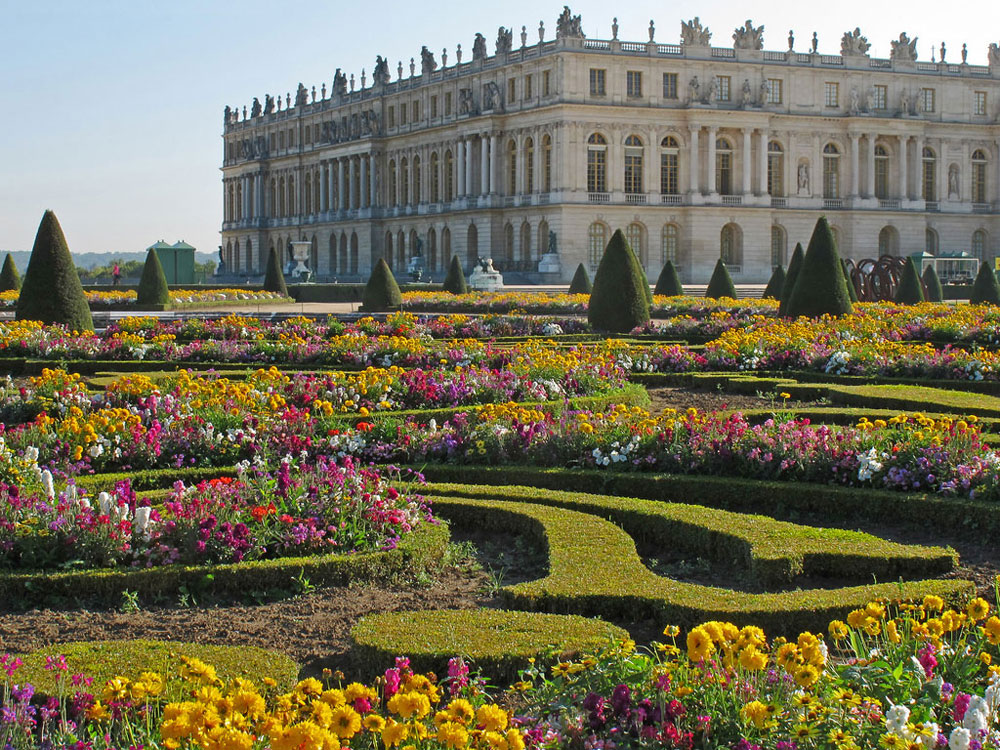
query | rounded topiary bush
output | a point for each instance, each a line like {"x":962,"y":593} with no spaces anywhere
{"x":10,"y":279}
{"x":721,"y":284}
{"x":274,"y":277}
{"x":775,"y":284}
{"x":498,"y":642}
{"x":153,"y":289}
{"x":381,"y":292}
{"x":935,"y":292}
{"x":581,"y":281}
{"x":455,"y":282}
{"x":820,"y":288}
{"x":985,"y":290}
{"x":620,"y":299}
{"x":51,"y":291}
{"x":794,"y":266}
{"x":669,"y":283}
{"x":910,"y":291}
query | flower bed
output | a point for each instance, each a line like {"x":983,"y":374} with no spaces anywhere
{"x":178,"y":297}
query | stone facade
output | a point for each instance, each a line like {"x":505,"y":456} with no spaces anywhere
{"x":693,"y":150}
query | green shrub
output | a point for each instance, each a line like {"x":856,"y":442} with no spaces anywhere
{"x":851,"y":291}
{"x":721,"y":284}
{"x":932,"y":284}
{"x":10,"y":279}
{"x":51,"y":291}
{"x":620,"y":299}
{"x":455,"y":282}
{"x":381,"y":292}
{"x":669,"y":283}
{"x":985,"y":290}
{"x":274,"y":277}
{"x":153,"y":288}
{"x":775,"y":284}
{"x":820,"y":288}
{"x":910,"y":290}
{"x":498,"y":643}
{"x":794,"y":266}
{"x":581,"y":281}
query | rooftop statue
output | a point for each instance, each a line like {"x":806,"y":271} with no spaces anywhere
{"x":380,"y":75}
{"x":748,"y":37}
{"x":339,"y":89}
{"x":505,"y":40}
{"x":427,"y":62}
{"x":853,"y":44}
{"x":227,"y":115}
{"x":904,"y":50}
{"x":993,"y":54}
{"x":479,"y":48}
{"x":301,"y":96}
{"x":255,"y":108}
{"x":569,"y":26}
{"x":693,"y":34}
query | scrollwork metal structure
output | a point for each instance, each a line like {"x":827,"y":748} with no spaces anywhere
{"x":876,"y":280}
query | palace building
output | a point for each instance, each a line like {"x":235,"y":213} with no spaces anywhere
{"x":547,"y":146}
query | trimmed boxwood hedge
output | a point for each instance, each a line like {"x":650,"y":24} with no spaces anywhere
{"x":497,"y":642}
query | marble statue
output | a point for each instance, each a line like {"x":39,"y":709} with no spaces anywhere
{"x":748,"y":37}
{"x":855,"y":106}
{"x":301,"y":96}
{"x":993,"y":55}
{"x":479,"y":48}
{"x":953,"y":192}
{"x":339,"y":89}
{"x":380,"y":75}
{"x":652,"y":30}
{"x":569,"y":26}
{"x":693,"y":34}
{"x":904,"y":102}
{"x":905,"y":50}
{"x":853,"y":44}
{"x":268,"y":104}
{"x":491,"y":96}
{"x":694,"y":91}
{"x":943,"y":50}
{"x":815,"y":42}
{"x":762,"y":93}
{"x":255,"y":108}
{"x":505,"y":40}
{"x":747,"y":93}
{"x":713,"y":90}
{"x":965,"y":54}
{"x":427,"y":62}
{"x":466,"y":102}
{"x":791,"y":40}
{"x":614,"y":28}
{"x":524,"y":36}
{"x":227,"y":115}
{"x":803,"y":178}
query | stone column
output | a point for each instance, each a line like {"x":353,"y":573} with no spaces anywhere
{"x":362,"y":192}
{"x":460,"y":168}
{"x":711,"y":160}
{"x":762,"y":162}
{"x":484,"y":164}
{"x":540,"y":162}
{"x":353,"y":183}
{"x":870,"y":187}
{"x":331,"y":188}
{"x":469,"y":189}
{"x":942,"y":171}
{"x":918,"y":167}
{"x":747,"y":133}
{"x":372,"y":182}
{"x":494,"y":164}
{"x":855,"y":166}
{"x":260,"y":195}
{"x":342,"y":194}
{"x":904,"y":157}
{"x":323,"y":187}
{"x":695,"y":169}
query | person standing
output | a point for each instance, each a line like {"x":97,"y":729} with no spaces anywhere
{"x":116,"y":275}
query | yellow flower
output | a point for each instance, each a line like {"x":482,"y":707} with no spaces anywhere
{"x":807,"y":675}
{"x":933,"y":603}
{"x":991,"y":629}
{"x":345,"y":722}
{"x":752,"y":659}
{"x":977,"y":609}
{"x":757,"y":713}
{"x":838,"y":630}
{"x":699,"y":644}
{"x":373,"y":723}
{"x":491,"y":718}
{"x":453,"y":735}
{"x":394,"y":733}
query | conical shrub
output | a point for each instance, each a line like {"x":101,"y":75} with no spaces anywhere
{"x":910,"y":291}
{"x":669,"y":283}
{"x":820,"y":288}
{"x":775,"y":284}
{"x":153,"y":289}
{"x":381,"y":292}
{"x":581,"y":281}
{"x":454,"y":282}
{"x":935,"y":293}
{"x":274,"y":277}
{"x":619,"y":301}
{"x":51,"y":291}
{"x":10,"y":279}
{"x":721,"y":284}
{"x":851,"y":291}
{"x":985,"y":290}
{"x":794,"y":266}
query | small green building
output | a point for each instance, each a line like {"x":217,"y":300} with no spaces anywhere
{"x":177,"y":261}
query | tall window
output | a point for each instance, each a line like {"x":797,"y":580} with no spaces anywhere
{"x":525,"y":241}
{"x":669,"y":85}
{"x":511,"y":90}
{"x":546,"y":82}
{"x":435,"y":179}
{"x":723,"y":166}
{"x":978,"y":176}
{"x":447,"y":109}
{"x":597,"y":82}
{"x":668,"y":244}
{"x":774,"y":91}
{"x":978,"y":244}
{"x":527,"y":87}
{"x":634,"y":235}
{"x":511,"y":167}
{"x":979,"y":103}
{"x":404,"y":181}
{"x":546,"y":163}
{"x":449,"y":177}
{"x":597,"y":164}
{"x":831,"y":94}
{"x":724,"y":85}
{"x":416,"y":180}
{"x":887,"y":242}
{"x":831,"y":171}
{"x":633,"y":83}
{"x":775,"y":169}
{"x":930,"y":241}
{"x":669,"y":166}
{"x":508,"y":242}
{"x":731,"y":247}
{"x":881,"y":96}
{"x":633,"y":164}
{"x":529,"y":165}
{"x":597,"y":240}
{"x":434,"y":107}
{"x":881,"y":172}
{"x":927,"y":100}
{"x":777,"y":246}
{"x":929,"y":175}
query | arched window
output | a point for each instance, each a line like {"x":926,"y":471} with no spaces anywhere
{"x":354,"y":252}
{"x":731,"y":247}
{"x":282,"y":199}
{"x":432,"y":250}
{"x":273,"y":213}
{"x":449,"y":177}
{"x":435,"y":179}
{"x":831,"y":171}
{"x":778,"y":246}
{"x":511,"y":167}
{"x":526,"y":241}
{"x":416,"y":179}
{"x":342,"y":262}
{"x":392,"y":183}
{"x":633,"y":164}
{"x":597,"y":164}
{"x":401,"y":250}
{"x":317,"y":192}
{"x":307,"y":194}
{"x":775,"y":170}
{"x":508,"y":243}
{"x":291,"y":198}
{"x":978,"y":176}
{"x":236,"y":257}
{"x":723,"y":166}
{"x":670,"y":166}
{"x":634,"y":233}
{"x":888,"y":243}
{"x":979,"y":244}
{"x":930,"y":241}
{"x":597,"y":241}
{"x":929,"y":175}
{"x":529,"y":165}
{"x":404,"y":182}
{"x":239,"y":201}
{"x":543,"y":237}
{"x":881,"y":172}
{"x":546,"y":164}
{"x":668,"y":244}
{"x":331,"y":255}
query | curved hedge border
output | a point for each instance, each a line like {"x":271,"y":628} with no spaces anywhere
{"x":497,"y":642}
{"x":594,"y":569}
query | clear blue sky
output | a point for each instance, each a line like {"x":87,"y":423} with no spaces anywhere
{"x":112,"y":109}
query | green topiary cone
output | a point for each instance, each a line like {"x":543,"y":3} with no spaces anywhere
{"x":985,"y":290}
{"x":581,"y":281}
{"x":794,"y":266}
{"x":381,"y":292}
{"x":721,"y":284}
{"x":820,"y":288}
{"x":51,"y":291}
{"x":910,"y":290}
{"x":619,"y":301}
{"x":935,"y":293}
{"x":775,"y":284}
{"x":10,"y":279}
{"x":274,"y":278}
{"x":153,"y":289}
{"x":669,"y":283}
{"x":454,"y":282}
{"x":851,"y":291}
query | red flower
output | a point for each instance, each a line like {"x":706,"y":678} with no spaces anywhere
{"x":365,"y":426}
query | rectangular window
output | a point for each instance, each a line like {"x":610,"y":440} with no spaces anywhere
{"x":724,"y":84}
{"x":831,"y":94}
{"x":597,"y":175}
{"x":929,"y":181}
{"x":831,"y":177}
{"x":881,"y":97}
{"x":633,"y":83}
{"x":308,"y":138}
{"x":434,"y":106}
{"x":774,"y":91}
{"x":511,"y":91}
{"x":402,"y":114}
{"x":979,"y":103}
{"x":527,"y":87}
{"x":597,"y":82}
{"x":545,"y":82}
{"x":669,"y":85}
{"x":281,"y":140}
{"x":669,"y":173}
{"x":291,"y":138}
{"x":415,"y":111}
{"x":447,"y":103}
{"x":927,"y":100}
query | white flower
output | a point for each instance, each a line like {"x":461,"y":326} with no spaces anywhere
{"x":896,"y":718}
{"x":959,"y":739}
{"x":975,"y":721}
{"x":432,"y":425}
{"x":31,"y":454}
{"x":929,"y":738}
{"x":96,"y":450}
{"x":47,"y":486}
{"x":140,"y":524}
{"x":104,"y":503}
